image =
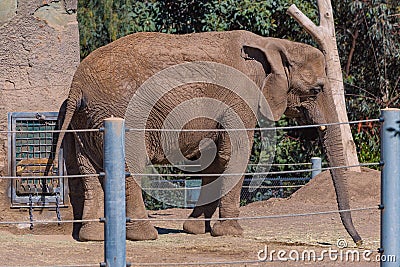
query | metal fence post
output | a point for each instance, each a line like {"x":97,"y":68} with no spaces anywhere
{"x":114,"y":193}
{"x":390,"y":188}
{"x":316,"y":166}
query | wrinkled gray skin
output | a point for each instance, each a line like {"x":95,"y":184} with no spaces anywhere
{"x":290,"y":75}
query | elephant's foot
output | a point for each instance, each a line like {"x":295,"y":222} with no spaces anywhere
{"x":91,"y":231}
{"x":229,"y":227}
{"x":140,"y":230}
{"x":196,"y":227}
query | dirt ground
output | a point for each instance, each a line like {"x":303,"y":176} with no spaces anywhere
{"x":295,"y":236}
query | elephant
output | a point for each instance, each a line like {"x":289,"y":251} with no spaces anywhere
{"x":291,"y":76}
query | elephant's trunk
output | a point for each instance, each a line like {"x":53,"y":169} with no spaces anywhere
{"x":331,"y":140}
{"x":325,"y":112}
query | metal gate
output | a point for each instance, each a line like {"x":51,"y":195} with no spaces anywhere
{"x":28,"y":155}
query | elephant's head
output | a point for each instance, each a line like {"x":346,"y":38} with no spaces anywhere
{"x":296,"y":85}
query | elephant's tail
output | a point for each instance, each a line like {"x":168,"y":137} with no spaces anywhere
{"x":65,"y":114}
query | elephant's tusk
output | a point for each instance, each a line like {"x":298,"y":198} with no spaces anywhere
{"x":322,"y":128}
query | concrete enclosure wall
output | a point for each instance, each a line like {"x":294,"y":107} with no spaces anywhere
{"x":39,"y":53}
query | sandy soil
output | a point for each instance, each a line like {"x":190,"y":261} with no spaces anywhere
{"x":316,"y":233}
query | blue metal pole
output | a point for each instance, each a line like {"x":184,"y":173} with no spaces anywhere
{"x":114,"y":193}
{"x":390,"y":188}
{"x":316,"y":166}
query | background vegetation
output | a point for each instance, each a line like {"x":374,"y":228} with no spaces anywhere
{"x":367,"y":32}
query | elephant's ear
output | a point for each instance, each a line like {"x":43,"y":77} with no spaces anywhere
{"x":276,"y":84}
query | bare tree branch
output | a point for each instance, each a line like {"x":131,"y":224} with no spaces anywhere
{"x":326,"y":38}
{"x":304,"y":21}
{"x":351,"y":53}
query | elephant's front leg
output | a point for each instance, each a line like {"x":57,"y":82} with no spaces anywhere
{"x":229,"y":208}
{"x":137,"y":229}
{"x":236,"y":154}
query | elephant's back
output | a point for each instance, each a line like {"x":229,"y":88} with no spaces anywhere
{"x":138,"y":56}
{"x":113,"y":73}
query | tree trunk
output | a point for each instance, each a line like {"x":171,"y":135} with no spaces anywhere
{"x":326,"y":38}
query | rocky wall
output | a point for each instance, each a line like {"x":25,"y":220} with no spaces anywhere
{"x":39,"y":53}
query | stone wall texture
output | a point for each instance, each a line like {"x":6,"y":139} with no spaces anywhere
{"x":39,"y":53}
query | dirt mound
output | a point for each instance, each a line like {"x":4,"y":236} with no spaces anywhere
{"x":316,"y":198}
{"x":364,"y":191}
{"x":363,"y":188}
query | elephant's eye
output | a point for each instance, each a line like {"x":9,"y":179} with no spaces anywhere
{"x":316,"y":90}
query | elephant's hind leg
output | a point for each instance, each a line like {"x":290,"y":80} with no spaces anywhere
{"x":76,"y":192}
{"x":137,"y":230}
{"x":93,"y":203}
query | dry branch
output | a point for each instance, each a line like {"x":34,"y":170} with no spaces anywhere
{"x":326,"y":38}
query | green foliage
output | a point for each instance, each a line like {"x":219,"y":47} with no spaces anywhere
{"x":369,"y":46}
{"x":101,"y":22}
{"x":375,"y":62}
{"x":368,"y":146}
{"x":249,"y":15}
{"x":155,"y":187}
{"x":296,"y":146}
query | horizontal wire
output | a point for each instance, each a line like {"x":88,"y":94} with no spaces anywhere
{"x":200,"y":263}
{"x":198,"y":187}
{"x":38,"y":206}
{"x":174,"y":165}
{"x":251,"y":129}
{"x":202,"y":219}
{"x":53,"y":131}
{"x":51,"y":176}
{"x":73,"y":265}
{"x":48,"y":221}
{"x":272,"y":186}
{"x":251,"y":164}
{"x":253,"y":173}
{"x":258,"y":217}
{"x":281,"y":164}
{"x":283,"y":179}
{"x":202,"y":130}
{"x":197,"y":174}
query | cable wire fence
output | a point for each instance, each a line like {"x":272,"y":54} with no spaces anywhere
{"x":278,"y":182}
